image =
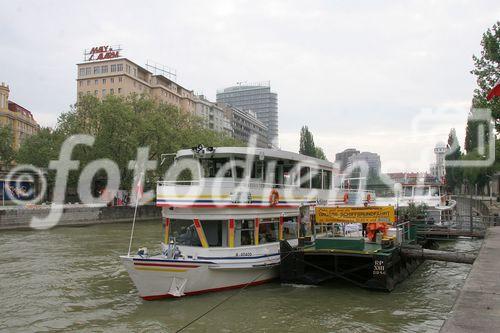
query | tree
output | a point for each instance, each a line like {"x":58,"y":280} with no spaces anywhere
{"x":486,"y":67}
{"x":307,"y":146}
{"x":486,"y":70}
{"x":319,"y":153}
{"x":454,"y":175}
{"x":307,"y":142}
{"x":120,"y":126}
{"x":7,"y":152}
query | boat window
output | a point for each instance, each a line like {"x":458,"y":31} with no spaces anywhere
{"x":407,"y":191}
{"x":213,"y":165}
{"x":239,"y":167}
{"x":244,"y":232}
{"x":327,"y":179}
{"x":184,"y":232}
{"x":290,"y":174}
{"x":213,"y":232}
{"x":305,"y":177}
{"x":434,"y":191}
{"x":268,"y":230}
{"x":258,"y":170}
{"x":422,"y":191}
{"x":316,"y":178}
{"x":290,"y":227}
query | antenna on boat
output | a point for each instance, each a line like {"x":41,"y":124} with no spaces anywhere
{"x":137,"y":195}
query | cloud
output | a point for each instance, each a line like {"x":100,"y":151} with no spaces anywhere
{"x":355,"y":72}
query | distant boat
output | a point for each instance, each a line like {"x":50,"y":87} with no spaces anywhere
{"x":440,"y":207}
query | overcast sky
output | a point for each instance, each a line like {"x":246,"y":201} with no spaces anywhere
{"x":387,"y":77}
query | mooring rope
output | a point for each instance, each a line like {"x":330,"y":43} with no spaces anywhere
{"x":223,"y":301}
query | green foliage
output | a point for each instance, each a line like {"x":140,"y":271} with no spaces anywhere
{"x":120,"y":126}
{"x":7,"y":152}
{"x":486,"y":71}
{"x":40,"y":149}
{"x":412,"y":212}
{"x":319,"y":153}
{"x":307,"y":146}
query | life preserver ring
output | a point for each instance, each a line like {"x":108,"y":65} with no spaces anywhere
{"x":274,"y":198}
{"x":346,"y":197}
{"x":368,"y":197}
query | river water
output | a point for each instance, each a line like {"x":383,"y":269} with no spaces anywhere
{"x":71,"y":278}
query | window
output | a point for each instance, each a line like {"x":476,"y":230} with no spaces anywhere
{"x":88,"y":82}
{"x":103,"y":92}
{"x":407,"y":191}
{"x":327,"y":179}
{"x":135,"y":72}
{"x":305,"y":177}
{"x":127,"y":68}
{"x":112,"y":80}
{"x":104,"y":69}
{"x":184,"y":232}
{"x":88,"y":71}
{"x":96,"y":92}
{"x":82,"y":71}
{"x":80,"y":83}
{"x":213,"y":232}
{"x":244,"y":232}
{"x":120,"y":79}
{"x":112,"y":91}
{"x":119,"y":90}
{"x":97,"y":69}
{"x":96,"y":82}
{"x":212,"y":166}
{"x":290,"y":227}
{"x":103,"y":81}
{"x":113,"y":68}
{"x":268,"y":230}
{"x":316,"y":179}
{"x":119,"y":67}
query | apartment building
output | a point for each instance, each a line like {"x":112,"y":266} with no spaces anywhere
{"x":213,"y":115}
{"x":20,"y":119}
{"x":245,"y":124}
{"x":115,"y":75}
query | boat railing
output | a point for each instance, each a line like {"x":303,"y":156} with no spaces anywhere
{"x":229,"y":183}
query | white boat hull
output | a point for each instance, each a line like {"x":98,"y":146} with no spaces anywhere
{"x":158,"y":277}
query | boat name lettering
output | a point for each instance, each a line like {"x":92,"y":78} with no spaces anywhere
{"x":244,"y":254}
{"x":379,"y":267}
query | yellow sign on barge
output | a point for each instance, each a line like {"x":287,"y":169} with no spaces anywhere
{"x":371,"y":214}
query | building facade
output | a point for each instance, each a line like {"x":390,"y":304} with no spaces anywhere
{"x":371,"y":159}
{"x":212,"y":115}
{"x":342,"y":158}
{"x":257,"y":98}
{"x":20,"y":119}
{"x":122,"y":77}
{"x":245,"y":125}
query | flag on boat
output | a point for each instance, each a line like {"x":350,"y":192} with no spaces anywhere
{"x":137,"y":190}
{"x":495,"y":92}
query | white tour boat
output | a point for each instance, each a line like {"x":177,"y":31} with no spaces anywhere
{"x":440,"y":207}
{"x":222,"y":226}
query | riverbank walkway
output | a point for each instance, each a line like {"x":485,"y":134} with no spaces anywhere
{"x":477,"y":308}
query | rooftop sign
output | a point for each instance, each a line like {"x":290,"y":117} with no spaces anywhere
{"x":102,"y":53}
